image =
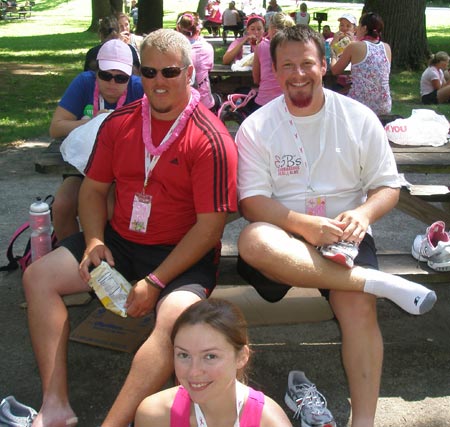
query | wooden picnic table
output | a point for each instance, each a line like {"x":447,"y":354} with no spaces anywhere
{"x":417,"y":201}
{"x":225,"y":81}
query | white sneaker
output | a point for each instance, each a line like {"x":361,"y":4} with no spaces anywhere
{"x":342,"y":253}
{"x":433,"y":247}
{"x":15,"y":414}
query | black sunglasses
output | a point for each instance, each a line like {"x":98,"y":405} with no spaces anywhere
{"x":168,"y":72}
{"x":118,"y":78}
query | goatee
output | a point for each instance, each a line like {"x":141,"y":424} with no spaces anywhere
{"x":300,"y":100}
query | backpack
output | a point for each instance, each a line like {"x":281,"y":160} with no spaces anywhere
{"x":24,"y":260}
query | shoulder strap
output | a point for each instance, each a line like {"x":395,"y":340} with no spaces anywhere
{"x":181,"y":409}
{"x":252,"y":412}
{"x":13,"y":260}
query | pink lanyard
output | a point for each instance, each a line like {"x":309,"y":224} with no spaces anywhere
{"x":171,"y":136}
{"x":99,"y":102}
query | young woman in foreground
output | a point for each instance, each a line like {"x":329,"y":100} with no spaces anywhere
{"x":210,"y":353}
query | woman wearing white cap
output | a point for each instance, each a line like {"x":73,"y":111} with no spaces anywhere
{"x":346,"y":33}
{"x":89,"y":94}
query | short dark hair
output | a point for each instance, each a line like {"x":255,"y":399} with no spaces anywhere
{"x":298,"y":33}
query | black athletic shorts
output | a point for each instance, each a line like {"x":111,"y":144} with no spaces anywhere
{"x":272,"y":291}
{"x":134,"y":261}
{"x":430,"y":98}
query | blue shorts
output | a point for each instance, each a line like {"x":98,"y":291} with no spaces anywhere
{"x":272,"y":291}
{"x":134,"y":261}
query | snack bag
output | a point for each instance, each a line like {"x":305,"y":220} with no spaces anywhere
{"x":111,"y":288}
{"x":339,"y":47}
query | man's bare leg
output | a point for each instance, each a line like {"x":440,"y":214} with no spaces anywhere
{"x":288,"y":260}
{"x":153,"y":362}
{"x":45,"y":281}
{"x":362,"y":352}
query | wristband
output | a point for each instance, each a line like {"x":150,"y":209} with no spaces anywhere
{"x":151,"y":283}
{"x":155,"y":280}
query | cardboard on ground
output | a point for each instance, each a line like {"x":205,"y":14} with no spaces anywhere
{"x":105,"y":329}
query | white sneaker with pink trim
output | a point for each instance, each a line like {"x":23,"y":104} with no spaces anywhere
{"x":433,"y":247}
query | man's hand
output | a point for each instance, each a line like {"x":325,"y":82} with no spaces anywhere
{"x":320,"y":231}
{"x":356,"y":225}
{"x":94,"y":254}
{"x":142,"y":299}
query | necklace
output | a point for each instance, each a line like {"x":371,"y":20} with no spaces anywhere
{"x":97,"y":95}
{"x":240,"y":397}
{"x":174,"y":134}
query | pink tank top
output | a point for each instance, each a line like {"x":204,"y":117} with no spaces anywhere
{"x":269,"y":87}
{"x":251,"y":413}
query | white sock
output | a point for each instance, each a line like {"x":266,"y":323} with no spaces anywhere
{"x":410,"y":296}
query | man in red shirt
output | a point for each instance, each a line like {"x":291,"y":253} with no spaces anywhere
{"x":174,"y":166}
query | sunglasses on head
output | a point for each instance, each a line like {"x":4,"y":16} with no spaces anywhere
{"x":118,"y":78}
{"x":167,"y":72}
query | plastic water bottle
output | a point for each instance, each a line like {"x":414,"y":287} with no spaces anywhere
{"x":246,"y":50}
{"x":328,"y":54}
{"x":40,"y":224}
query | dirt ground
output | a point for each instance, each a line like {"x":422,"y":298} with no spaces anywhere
{"x":415,"y":390}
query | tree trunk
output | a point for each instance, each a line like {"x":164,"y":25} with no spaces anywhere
{"x":150,"y":16}
{"x":201,"y":8}
{"x":102,"y":8}
{"x":404,"y":30}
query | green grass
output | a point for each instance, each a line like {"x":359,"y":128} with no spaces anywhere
{"x":39,"y":56}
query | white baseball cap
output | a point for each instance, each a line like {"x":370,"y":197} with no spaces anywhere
{"x":349,"y":17}
{"x":115,"y":55}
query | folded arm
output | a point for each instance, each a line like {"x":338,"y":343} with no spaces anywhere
{"x":64,"y":122}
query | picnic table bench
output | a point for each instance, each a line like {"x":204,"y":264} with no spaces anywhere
{"x":417,"y":201}
{"x":21,"y":11}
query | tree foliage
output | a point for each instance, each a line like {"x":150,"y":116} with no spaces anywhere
{"x":404,"y":30}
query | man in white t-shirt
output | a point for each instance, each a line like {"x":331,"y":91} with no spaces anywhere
{"x":315,"y":170}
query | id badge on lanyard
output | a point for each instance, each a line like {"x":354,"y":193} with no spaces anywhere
{"x":142,"y":203}
{"x":142,"y":206}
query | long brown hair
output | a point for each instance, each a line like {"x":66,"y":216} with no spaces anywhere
{"x":221,"y":315}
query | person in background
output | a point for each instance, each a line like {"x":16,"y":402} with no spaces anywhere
{"x":262,"y":71}
{"x":188,"y":24}
{"x":210,"y":352}
{"x":327,"y":33}
{"x":125,"y":32}
{"x":253,"y":36}
{"x":213,"y":17}
{"x":315,"y":170}
{"x":164,"y":235}
{"x":341,"y":39}
{"x":89,"y":94}
{"x":303,"y":17}
{"x":271,"y":10}
{"x":434,"y":87}
{"x":230,"y":21}
{"x":345,"y":35}
{"x":370,"y":59}
{"x":274,"y":6}
{"x":134,"y":13}
{"x":108,"y":30}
